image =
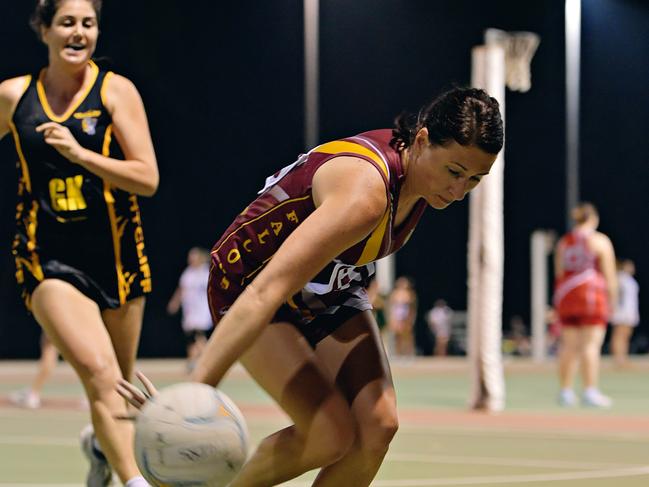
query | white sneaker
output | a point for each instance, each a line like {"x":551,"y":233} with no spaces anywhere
{"x":25,"y":398}
{"x":595,"y":399}
{"x":567,"y":398}
{"x":100,"y":473}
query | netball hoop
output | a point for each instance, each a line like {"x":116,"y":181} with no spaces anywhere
{"x":504,"y":61}
{"x":519,"y":48}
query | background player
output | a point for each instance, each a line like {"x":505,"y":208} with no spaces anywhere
{"x":191,"y":295}
{"x":626,"y":314}
{"x":585,"y":287}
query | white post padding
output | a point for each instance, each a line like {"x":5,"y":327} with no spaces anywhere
{"x":385,"y":270}
{"x":486,"y":253}
{"x":539,"y":293}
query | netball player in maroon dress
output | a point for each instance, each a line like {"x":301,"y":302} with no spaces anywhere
{"x":287,"y":283}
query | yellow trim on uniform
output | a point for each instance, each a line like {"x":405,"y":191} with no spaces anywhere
{"x":373,"y":245}
{"x":243,"y":279}
{"x":88,"y":114}
{"x":338,"y":146}
{"x":102,"y":91}
{"x":302,"y":198}
{"x":32,"y":225}
{"x":108,"y":137}
{"x":19,"y":149}
{"x":23,"y":162}
{"x":123,"y":287}
{"x":46,"y":105}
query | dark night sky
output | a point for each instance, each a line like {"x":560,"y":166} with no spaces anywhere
{"x":223,"y":88}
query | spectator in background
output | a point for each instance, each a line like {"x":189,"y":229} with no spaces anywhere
{"x":517,"y":341}
{"x":191,"y":295}
{"x":585,"y":289}
{"x":553,"y":333}
{"x":626,"y":314}
{"x":402,"y":312}
{"x":439,"y":319}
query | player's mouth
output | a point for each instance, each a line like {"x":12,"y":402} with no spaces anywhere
{"x":75,"y":46}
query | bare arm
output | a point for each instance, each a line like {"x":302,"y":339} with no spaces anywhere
{"x":10,"y":92}
{"x":174,"y":303}
{"x":138,"y":173}
{"x":350,"y":199}
{"x":603,"y":247}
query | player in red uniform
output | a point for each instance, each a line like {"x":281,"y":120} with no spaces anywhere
{"x":288,"y":277}
{"x":585,"y":286}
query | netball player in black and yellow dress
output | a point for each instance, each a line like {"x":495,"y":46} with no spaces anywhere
{"x":84,"y":149}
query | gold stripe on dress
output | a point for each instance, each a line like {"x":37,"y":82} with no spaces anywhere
{"x":123,"y":287}
{"x":342,"y":146}
{"x":42,"y":96}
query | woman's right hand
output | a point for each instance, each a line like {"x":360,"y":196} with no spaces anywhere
{"x":133,"y":394}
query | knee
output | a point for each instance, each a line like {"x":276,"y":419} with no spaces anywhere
{"x":331,"y":437}
{"x":377,"y":431}
{"x":99,"y":374}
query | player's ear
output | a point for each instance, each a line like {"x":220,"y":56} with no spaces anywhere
{"x":421,"y":139}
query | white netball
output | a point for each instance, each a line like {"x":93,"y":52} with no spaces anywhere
{"x":190,"y":434}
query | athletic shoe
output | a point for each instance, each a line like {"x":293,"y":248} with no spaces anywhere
{"x":567,"y":398}
{"x":100,"y":473}
{"x":595,"y":399}
{"x":25,"y":398}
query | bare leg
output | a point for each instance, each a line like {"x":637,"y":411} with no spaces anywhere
{"x":620,"y":344}
{"x":441,"y":346}
{"x":74,"y":324}
{"x":591,"y":337}
{"x":568,"y":356}
{"x":46,"y":364}
{"x":357,"y":362}
{"x":283,"y":363}
{"x":195,"y":348}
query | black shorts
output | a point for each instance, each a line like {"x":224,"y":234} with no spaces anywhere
{"x":191,"y":336}
{"x":321,"y":326}
{"x":110,"y":279}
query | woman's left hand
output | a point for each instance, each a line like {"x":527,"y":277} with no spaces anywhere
{"x":133,"y":394}
{"x":62,"y":140}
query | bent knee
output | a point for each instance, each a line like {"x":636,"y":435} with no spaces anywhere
{"x":99,"y":375}
{"x":331,"y":434}
{"x":377,"y":431}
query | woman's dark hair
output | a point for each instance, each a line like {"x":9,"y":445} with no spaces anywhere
{"x":46,"y":10}
{"x":468,"y":116}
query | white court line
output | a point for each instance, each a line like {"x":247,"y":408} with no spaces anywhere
{"x":505,"y":462}
{"x":38,"y":440}
{"x":500,"y":479}
{"x":40,"y":485}
{"x":505,"y":432}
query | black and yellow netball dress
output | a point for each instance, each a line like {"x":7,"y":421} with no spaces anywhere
{"x":71,"y":224}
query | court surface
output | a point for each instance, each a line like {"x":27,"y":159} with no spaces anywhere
{"x":533,"y":443}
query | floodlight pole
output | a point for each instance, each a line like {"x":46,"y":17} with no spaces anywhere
{"x":311,"y":73}
{"x":573,"y":60}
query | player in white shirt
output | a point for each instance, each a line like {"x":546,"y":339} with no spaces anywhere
{"x":191,"y":296}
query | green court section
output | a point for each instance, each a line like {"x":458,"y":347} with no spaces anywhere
{"x":533,"y":443}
